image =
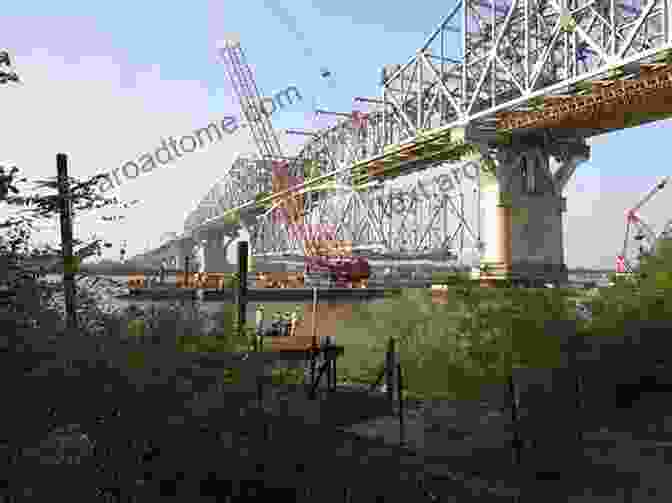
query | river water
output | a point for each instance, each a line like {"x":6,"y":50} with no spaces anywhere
{"x":327,"y":309}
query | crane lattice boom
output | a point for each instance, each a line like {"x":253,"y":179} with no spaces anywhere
{"x":249,"y":97}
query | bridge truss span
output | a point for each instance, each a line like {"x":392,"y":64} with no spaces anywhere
{"x":515,"y":51}
{"x":434,"y":217}
{"x":486,"y":60}
{"x":511,"y":56}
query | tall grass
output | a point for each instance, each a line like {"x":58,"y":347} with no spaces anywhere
{"x":450,"y":350}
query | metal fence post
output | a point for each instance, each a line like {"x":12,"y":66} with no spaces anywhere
{"x":579,"y":405}
{"x":574,"y":345}
{"x":391,"y":362}
{"x":514,"y":420}
{"x":314,"y":345}
{"x":400,"y":396}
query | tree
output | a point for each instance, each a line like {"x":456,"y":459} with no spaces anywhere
{"x":37,"y":207}
{"x":6,"y":76}
{"x":7,"y":182}
{"x":20,"y":259}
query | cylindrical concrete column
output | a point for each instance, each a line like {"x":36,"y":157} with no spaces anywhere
{"x":215,"y":254}
{"x":497,"y":221}
{"x":200,"y":256}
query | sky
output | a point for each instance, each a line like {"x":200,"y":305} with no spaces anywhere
{"x":106,"y":82}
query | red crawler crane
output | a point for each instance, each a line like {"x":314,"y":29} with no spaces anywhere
{"x":346,"y":270}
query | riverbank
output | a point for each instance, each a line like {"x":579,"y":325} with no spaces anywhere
{"x":448,"y":441}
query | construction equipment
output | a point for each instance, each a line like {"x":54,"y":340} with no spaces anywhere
{"x":644,"y":234}
{"x":250,"y":100}
{"x":290,"y":209}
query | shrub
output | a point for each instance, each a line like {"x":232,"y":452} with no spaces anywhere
{"x":449,"y":350}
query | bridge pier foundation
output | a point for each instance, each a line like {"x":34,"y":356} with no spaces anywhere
{"x":211,"y":249}
{"x":215,"y":251}
{"x":181,"y":250}
{"x":521,"y":213}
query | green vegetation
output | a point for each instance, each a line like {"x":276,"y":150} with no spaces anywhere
{"x":478,"y":335}
{"x":451,"y":349}
{"x":646,"y":296}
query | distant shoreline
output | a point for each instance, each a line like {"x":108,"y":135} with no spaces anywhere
{"x":125,"y":270}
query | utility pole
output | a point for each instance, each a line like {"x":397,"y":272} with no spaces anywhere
{"x":70,"y":264}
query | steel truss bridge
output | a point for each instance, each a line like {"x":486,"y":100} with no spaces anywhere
{"x":473,"y":92}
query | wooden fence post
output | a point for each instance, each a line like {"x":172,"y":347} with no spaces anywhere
{"x":241,"y":297}
{"x":259,"y":340}
{"x":391,"y":363}
{"x":69,"y":261}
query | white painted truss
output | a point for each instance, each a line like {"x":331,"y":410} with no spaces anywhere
{"x":435,"y":218}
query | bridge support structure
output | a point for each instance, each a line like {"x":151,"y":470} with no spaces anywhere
{"x":521,"y":212}
{"x":211,"y":247}
{"x":181,"y":249}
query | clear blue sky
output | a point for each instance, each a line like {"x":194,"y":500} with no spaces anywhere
{"x":123,"y":72}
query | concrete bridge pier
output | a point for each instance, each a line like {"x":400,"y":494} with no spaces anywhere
{"x":182,"y":249}
{"x":213,"y":245}
{"x":521,"y":213}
